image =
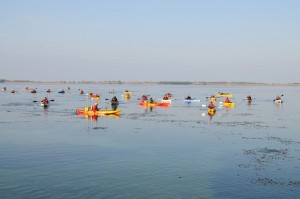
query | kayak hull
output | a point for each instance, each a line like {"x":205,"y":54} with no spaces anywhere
{"x":278,"y":101}
{"x":228,"y":104}
{"x":145,"y":103}
{"x":211,"y":111}
{"x":166,"y":101}
{"x":225,"y":95}
{"x":44,"y":105}
{"x":99,"y":113}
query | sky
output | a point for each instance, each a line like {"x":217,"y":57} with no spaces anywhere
{"x":150,"y":40}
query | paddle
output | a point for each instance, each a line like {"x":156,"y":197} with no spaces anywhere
{"x":52,"y":100}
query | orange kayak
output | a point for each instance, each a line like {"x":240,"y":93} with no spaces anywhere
{"x":145,"y":103}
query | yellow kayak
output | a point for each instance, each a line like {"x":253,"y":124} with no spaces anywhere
{"x":99,"y":113}
{"x":224,"y":95}
{"x":228,"y":104}
{"x":96,"y":98}
{"x":211,"y":111}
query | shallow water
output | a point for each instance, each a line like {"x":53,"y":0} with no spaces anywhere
{"x":249,"y":151}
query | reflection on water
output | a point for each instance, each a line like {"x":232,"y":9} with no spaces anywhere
{"x":248,"y":151}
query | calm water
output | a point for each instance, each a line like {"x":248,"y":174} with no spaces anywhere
{"x":249,"y":151}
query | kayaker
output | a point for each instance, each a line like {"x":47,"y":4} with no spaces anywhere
{"x":144,"y":98}
{"x":114,"y":99}
{"x":81,"y":92}
{"x":211,"y":105}
{"x":12,"y":91}
{"x":48,"y":91}
{"x":249,"y":98}
{"x":45,"y":100}
{"x":188,"y":97}
{"x":227,"y":100}
{"x":278,"y":97}
{"x":33,"y":91}
{"x":169,"y":95}
{"x":4,"y":88}
{"x":165,"y":97}
{"x":95,"y":107}
{"x":151,"y":101}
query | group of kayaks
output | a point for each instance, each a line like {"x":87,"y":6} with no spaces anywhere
{"x":165,"y":102}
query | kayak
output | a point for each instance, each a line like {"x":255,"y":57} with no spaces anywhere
{"x":99,"y":113}
{"x":95,"y":98}
{"x":145,"y":103}
{"x":211,"y":111}
{"x":228,"y":104}
{"x":62,"y":92}
{"x":166,"y":101}
{"x":278,"y":101}
{"x":127,"y":96}
{"x":213,"y":99}
{"x":44,"y":104}
{"x":191,"y":100}
{"x":224,"y":95}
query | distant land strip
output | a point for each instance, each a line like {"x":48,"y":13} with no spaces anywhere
{"x":223,"y":83}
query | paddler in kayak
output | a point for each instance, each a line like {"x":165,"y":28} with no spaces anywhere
{"x":278,"y":97}
{"x":151,"y":101}
{"x":188,"y":97}
{"x":114,"y":103}
{"x":211,"y":105}
{"x":95,"y":107}
{"x":165,"y":97}
{"x":114,"y":99}
{"x":45,"y":100}
{"x":227,"y":100}
{"x":12,"y":91}
{"x":33,"y":91}
{"x":249,"y":98}
{"x":48,"y":90}
{"x":144,"y":98}
{"x":169,"y":95}
{"x":81,"y":92}
{"x":4,"y":88}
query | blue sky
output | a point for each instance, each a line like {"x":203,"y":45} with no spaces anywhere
{"x":154,"y":40}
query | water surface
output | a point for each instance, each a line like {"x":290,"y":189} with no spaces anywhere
{"x":249,"y":151}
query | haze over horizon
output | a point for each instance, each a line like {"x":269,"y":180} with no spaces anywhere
{"x":234,"y":41}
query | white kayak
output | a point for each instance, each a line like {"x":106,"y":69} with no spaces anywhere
{"x":44,"y":104}
{"x":191,"y":100}
{"x":166,"y":101}
{"x":278,"y":101}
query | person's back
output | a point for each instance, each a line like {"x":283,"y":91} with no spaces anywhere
{"x":151,"y":101}
{"x":278,"y":98}
{"x":95,"y":107}
{"x":227,"y":100}
{"x":211,"y":105}
{"x":45,"y":100}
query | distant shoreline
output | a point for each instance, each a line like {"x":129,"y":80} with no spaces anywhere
{"x":3,"y":81}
